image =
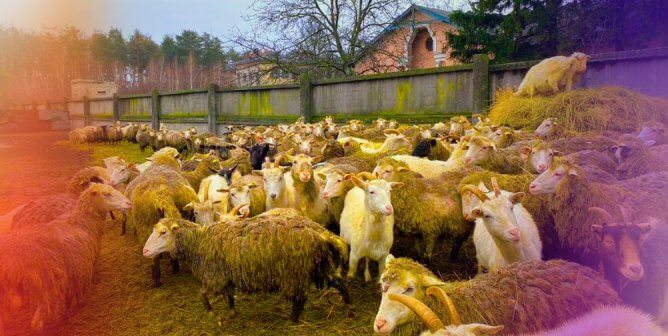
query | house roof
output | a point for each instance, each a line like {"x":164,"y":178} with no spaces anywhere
{"x":434,"y":13}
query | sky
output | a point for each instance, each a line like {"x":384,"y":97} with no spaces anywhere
{"x":153,"y":17}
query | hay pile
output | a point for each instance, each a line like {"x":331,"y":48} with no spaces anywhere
{"x":598,"y":109}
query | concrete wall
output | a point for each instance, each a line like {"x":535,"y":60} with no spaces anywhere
{"x":138,"y":107}
{"x":101,"y":108}
{"x":191,"y":105}
{"x":257,"y":103}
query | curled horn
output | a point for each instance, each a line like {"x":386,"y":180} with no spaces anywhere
{"x":365,"y":176}
{"x":607,"y":217}
{"x":438,"y":293}
{"x":236,"y":209}
{"x":429,"y":318}
{"x":495,"y":185}
{"x":625,"y":213}
{"x":474,"y":190}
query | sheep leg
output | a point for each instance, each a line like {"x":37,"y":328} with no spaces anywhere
{"x":381,"y":265}
{"x":229,"y":291}
{"x":569,"y":83}
{"x":554,"y":84}
{"x":111,"y":214}
{"x":155,"y":272}
{"x":124,"y":220}
{"x":338,"y":284}
{"x":298,"y":302}
{"x":459,"y":241}
{"x":367,"y":273}
{"x":175,"y":265}
{"x":206,"y":302}
{"x":37,"y":323}
{"x":352,"y":266}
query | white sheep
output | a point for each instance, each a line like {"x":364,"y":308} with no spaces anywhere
{"x":278,"y":186}
{"x":204,"y":212}
{"x":393,"y":141}
{"x":553,"y":74}
{"x":505,"y":231}
{"x":367,"y":223}
{"x":435,"y":168}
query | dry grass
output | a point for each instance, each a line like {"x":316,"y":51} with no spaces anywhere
{"x":122,"y":301}
{"x":598,"y":109}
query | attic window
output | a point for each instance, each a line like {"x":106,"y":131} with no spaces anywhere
{"x":429,"y":44}
{"x":101,"y":92}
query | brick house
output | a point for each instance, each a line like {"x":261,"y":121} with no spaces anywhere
{"x":254,"y":70}
{"x":414,"y":40}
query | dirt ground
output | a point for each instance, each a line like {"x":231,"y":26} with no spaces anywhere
{"x":122,"y":301}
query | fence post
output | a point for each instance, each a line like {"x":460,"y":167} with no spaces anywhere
{"x":212,"y":107}
{"x":155,"y":109}
{"x":480,"y":83}
{"x":115,"y":108}
{"x":305,"y":97}
{"x":86,"y":111}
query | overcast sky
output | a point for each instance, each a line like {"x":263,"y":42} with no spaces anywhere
{"x":154,"y":17}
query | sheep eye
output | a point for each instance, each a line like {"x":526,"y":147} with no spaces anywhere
{"x":558,"y":174}
{"x":409,"y":290}
{"x":339,"y":180}
{"x":372,"y":192}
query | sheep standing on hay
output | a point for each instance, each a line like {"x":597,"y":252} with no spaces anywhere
{"x":524,"y":297}
{"x":44,"y":273}
{"x":553,"y":74}
{"x":605,"y":320}
{"x":307,"y":189}
{"x":279,"y":250}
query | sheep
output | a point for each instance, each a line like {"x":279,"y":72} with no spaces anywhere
{"x":203,"y":212}
{"x":504,"y":230}
{"x":367,"y":223}
{"x":114,"y":134}
{"x":249,"y":191}
{"x":636,"y":158}
{"x":121,"y":176}
{"x":44,"y":273}
{"x":143,"y":137}
{"x":434,"y":168}
{"x":284,"y":252}
{"x":553,"y":74}
{"x":130,"y":132}
{"x":550,"y":128}
{"x":615,"y":320}
{"x":431,"y":148}
{"x":208,"y":188}
{"x":524,"y":297}
{"x":308,"y":189}
{"x":393,"y":141}
{"x":483,"y":153}
{"x":653,"y":133}
{"x":459,"y":125}
{"x":257,"y":154}
{"x":48,"y":208}
{"x":634,"y":260}
{"x":207,"y":164}
{"x":337,"y":185}
{"x":571,"y":194}
{"x":503,"y":136}
{"x":77,"y":136}
{"x":332,"y":149}
{"x":426,"y":208}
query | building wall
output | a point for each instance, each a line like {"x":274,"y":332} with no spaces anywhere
{"x":92,"y":89}
{"x":257,"y":73}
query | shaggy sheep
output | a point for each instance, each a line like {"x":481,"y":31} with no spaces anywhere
{"x":504,"y":230}
{"x":553,"y":74}
{"x":634,"y":259}
{"x":426,"y":208}
{"x":337,"y":185}
{"x":431,"y":148}
{"x":434,"y":168}
{"x":332,"y":149}
{"x":367,"y":223}
{"x":653,"y":133}
{"x":636,"y":158}
{"x":483,"y":153}
{"x":44,"y":273}
{"x":393,"y":141}
{"x":571,"y":194}
{"x":248,"y":190}
{"x":307,"y":189}
{"x":550,"y":128}
{"x":605,"y":320}
{"x":203,"y":212}
{"x":524,"y":297}
{"x":282,"y":251}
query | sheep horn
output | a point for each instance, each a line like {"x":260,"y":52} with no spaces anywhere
{"x":607,"y":217}
{"x":420,"y":309}
{"x":475,"y":191}
{"x":438,"y":293}
{"x":277,"y":160}
{"x":495,"y":185}
{"x":236,"y":209}
{"x":625,"y":213}
{"x":366,"y":176}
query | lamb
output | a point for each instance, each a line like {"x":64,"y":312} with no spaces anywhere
{"x":633,"y":258}
{"x":571,"y":194}
{"x":553,"y":74}
{"x":48,"y":208}
{"x":44,"y":273}
{"x":270,"y":260}
{"x":307,"y":189}
{"x":504,"y":230}
{"x":606,"y":320}
{"x":483,"y":153}
{"x":636,"y":158}
{"x":524,"y":297}
{"x":367,"y":223}
{"x":426,"y":208}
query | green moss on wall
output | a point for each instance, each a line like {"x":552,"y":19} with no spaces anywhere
{"x":404,"y":99}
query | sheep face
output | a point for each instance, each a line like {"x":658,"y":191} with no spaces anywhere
{"x":548,"y":181}
{"x":626,"y":146}
{"x":204,"y":212}
{"x":302,"y":168}
{"x":498,"y":216}
{"x":273,"y":181}
{"x":122,"y":174}
{"x":540,"y":157}
{"x":162,"y":239}
{"x":651,"y":133}
{"x":456,"y":128}
{"x":105,"y":198}
{"x":240,"y":196}
{"x":620,"y":245}
{"x":546,"y":128}
{"x":387,"y":172}
{"x":401,"y":276}
{"x":479,"y":149}
{"x":396,"y":141}
{"x":305,"y":146}
{"x":334,"y":185}
{"x":377,"y":194}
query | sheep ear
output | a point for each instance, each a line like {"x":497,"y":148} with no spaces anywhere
{"x":359,"y":183}
{"x":188,"y":206}
{"x":395,"y":185}
{"x":573,"y":172}
{"x":174,"y":227}
{"x":161,"y":212}
{"x":516,"y":197}
{"x":483,"y":329}
{"x":348,"y":176}
{"x":253,"y":185}
{"x":524,"y":152}
{"x":257,"y":172}
{"x":557,"y":153}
